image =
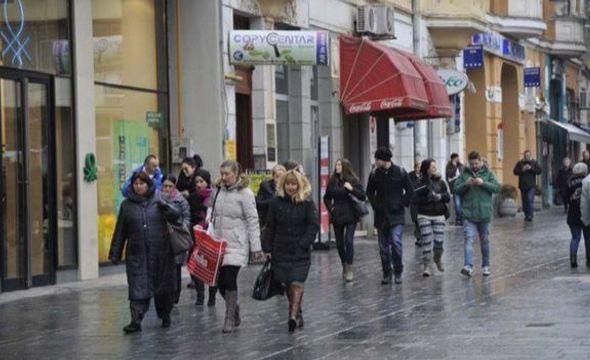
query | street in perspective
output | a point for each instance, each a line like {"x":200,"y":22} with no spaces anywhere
{"x":294,"y":179}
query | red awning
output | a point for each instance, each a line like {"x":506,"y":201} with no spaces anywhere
{"x":381,"y":80}
{"x":439,"y":104}
{"x":375,"y":79}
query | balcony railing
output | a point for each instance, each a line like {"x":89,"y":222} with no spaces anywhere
{"x":569,"y":36}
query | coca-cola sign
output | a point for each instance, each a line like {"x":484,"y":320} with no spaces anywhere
{"x":455,"y":81}
{"x":360,"y":107}
{"x":390,"y":103}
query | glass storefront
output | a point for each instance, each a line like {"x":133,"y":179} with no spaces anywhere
{"x":131,"y":99}
{"x":38,"y":228}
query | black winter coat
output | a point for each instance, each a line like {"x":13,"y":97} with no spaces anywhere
{"x":266,"y":192}
{"x":389,"y":191}
{"x":425,"y":200}
{"x":451,"y":172}
{"x":574,"y":191}
{"x":338,"y":201}
{"x":527,"y":179}
{"x":141,"y":231}
{"x":291,"y":229}
{"x":185,"y":183}
{"x":562,"y":180}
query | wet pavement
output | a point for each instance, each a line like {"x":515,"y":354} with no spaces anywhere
{"x":532,"y":307}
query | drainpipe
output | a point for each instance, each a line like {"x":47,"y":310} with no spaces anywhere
{"x":416,"y":22}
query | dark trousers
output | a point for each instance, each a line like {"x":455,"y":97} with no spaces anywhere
{"x":200,"y":287}
{"x":178,"y":283}
{"x":228,"y":279}
{"x":163,"y":302}
{"x":565,"y":199}
{"x":577,"y":232}
{"x":345,"y":242}
{"x":528,"y":202}
{"x":391,"y":250}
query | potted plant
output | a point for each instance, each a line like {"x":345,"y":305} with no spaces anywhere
{"x":507,"y":200}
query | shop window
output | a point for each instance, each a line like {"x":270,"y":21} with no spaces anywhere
{"x":283,"y":130}
{"x":314,"y":84}
{"x":282,"y":79}
{"x":129,"y":43}
{"x":43,"y":42}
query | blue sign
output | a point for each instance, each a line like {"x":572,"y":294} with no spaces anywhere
{"x":532,"y":77}
{"x":473,"y":57}
{"x":15,"y":39}
{"x":499,"y":45}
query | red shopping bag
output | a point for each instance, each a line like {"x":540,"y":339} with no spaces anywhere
{"x":206,"y":256}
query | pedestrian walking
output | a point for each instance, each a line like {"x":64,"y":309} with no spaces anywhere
{"x":476,"y":186}
{"x":389,"y":191}
{"x":150,"y":265}
{"x":586,"y":158}
{"x":151,"y":167}
{"x":527,"y":170}
{"x":343,"y":189}
{"x":453,"y":170}
{"x":267,"y":191}
{"x":186,"y":178}
{"x":199,"y":200}
{"x":574,"y":214}
{"x":431,"y":198}
{"x":562,"y":182}
{"x":177,"y":209}
{"x":414,"y":176}
{"x":291,"y":228}
{"x":234,"y":218}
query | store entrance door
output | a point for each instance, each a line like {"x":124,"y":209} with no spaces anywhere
{"x":27,"y":204}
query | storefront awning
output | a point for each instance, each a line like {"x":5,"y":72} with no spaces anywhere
{"x":439,"y":105}
{"x":574,"y":133}
{"x":377,"y":79}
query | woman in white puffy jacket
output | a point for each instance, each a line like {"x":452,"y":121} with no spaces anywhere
{"x":234,"y":218}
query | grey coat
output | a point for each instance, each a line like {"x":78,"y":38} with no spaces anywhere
{"x":141,"y":231}
{"x":585,"y":201}
{"x":235,"y":218}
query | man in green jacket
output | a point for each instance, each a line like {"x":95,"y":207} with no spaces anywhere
{"x":476,"y":186}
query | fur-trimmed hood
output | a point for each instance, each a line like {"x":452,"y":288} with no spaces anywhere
{"x":242,"y":183}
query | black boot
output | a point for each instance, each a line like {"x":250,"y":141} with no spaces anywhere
{"x":166,"y":321}
{"x":200,"y":288}
{"x":212,"y":294}
{"x":133,"y":327}
{"x":573,"y":261}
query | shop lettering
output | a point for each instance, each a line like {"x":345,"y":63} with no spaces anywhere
{"x":388,"y":104}
{"x":357,"y":108}
{"x":275,"y":38}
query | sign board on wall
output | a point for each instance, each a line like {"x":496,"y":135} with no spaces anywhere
{"x":473,"y":57}
{"x":324,"y":152}
{"x":273,"y":47}
{"x":532,"y":77}
{"x":497,"y":44}
{"x":455,"y":81}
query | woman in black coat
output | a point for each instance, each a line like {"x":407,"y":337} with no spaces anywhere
{"x":267,"y":192}
{"x":186,"y":178}
{"x":562,"y":181}
{"x":574,"y":214}
{"x":291,"y":228}
{"x":151,"y":269}
{"x":343,"y":185}
{"x":430,"y":198}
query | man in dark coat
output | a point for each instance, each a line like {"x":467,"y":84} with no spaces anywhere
{"x":562,"y":180}
{"x":151,"y":269}
{"x":453,"y":170}
{"x":389,"y":191}
{"x":527,"y":170}
{"x":266,"y":192}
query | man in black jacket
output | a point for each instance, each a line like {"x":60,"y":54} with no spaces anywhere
{"x":527,"y":170}
{"x":267,"y":192}
{"x":453,"y":170}
{"x":562,"y":180}
{"x":389,"y":191}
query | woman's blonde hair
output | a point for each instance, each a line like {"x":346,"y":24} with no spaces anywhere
{"x":303,"y":185}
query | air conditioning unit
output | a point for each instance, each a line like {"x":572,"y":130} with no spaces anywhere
{"x":375,"y":20}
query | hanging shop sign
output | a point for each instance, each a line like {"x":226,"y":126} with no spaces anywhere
{"x":324,"y":179}
{"x":497,"y":44}
{"x":532,"y":77}
{"x":270,"y":47}
{"x":473,"y":57}
{"x":455,"y":81}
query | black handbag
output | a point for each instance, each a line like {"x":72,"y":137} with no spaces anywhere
{"x":265,"y":285}
{"x":180,"y":237}
{"x":361,"y":209}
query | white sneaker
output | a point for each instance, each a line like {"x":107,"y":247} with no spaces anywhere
{"x":467,"y":271}
{"x":486,"y":271}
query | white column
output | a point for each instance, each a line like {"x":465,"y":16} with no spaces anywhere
{"x":85,"y":139}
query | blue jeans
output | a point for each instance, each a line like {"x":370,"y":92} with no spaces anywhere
{"x":471,"y":230}
{"x":528,"y":202}
{"x":345,"y":242}
{"x":390,"y":249}
{"x":458,"y":207}
{"x":577,"y":232}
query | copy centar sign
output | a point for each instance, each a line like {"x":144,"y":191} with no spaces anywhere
{"x":269,"y":47}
